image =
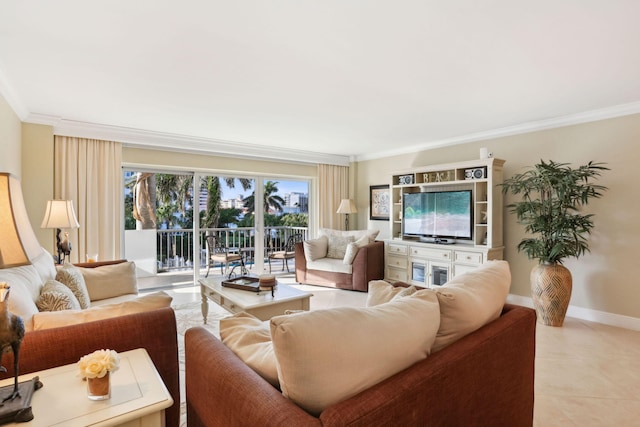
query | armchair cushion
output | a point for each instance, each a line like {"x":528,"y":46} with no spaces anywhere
{"x":356,"y":234}
{"x":57,"y":319}
{"x":315,"y":248}
{"x":381,"y":291}
{"x":326,"y":356}
{"x":55,"y":296}
{"x":338,"y":246}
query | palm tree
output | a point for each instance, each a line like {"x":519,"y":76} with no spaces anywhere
{"x":213,"y":188}
{"x":271,"y":198}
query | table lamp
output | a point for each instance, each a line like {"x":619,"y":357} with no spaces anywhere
{"x":60,"y":214}
{"x":347,"y":206}
{"x":18,"y":242}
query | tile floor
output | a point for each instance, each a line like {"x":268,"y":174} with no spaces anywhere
{"x":587,"y":374}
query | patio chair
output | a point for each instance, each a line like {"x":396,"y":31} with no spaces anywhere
{"x":287,"y":253}
{"x":219,"y":252}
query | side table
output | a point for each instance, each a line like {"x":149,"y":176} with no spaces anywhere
{"x":138,"y":396}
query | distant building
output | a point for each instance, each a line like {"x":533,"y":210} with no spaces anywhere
{"x":296,"y":200}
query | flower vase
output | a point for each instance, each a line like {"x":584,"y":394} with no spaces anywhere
{"x":99,"y":388}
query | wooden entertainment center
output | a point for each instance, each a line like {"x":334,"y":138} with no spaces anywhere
{"x":411,"y":260}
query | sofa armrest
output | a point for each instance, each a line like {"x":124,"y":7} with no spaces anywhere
{"x":223,"y":390}
{"x":368,"y":265}
{"x":485,"y":378}
{"x":61,"y":346}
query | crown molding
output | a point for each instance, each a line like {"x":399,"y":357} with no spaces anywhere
{"x":137,"y":138}
{"x":556,"y":122}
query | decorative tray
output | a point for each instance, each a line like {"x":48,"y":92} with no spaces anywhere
{"x":246,"y":283}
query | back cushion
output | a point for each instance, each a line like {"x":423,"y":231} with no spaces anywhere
{"x":326,"y":356}
{"x":315,"y":248}
{"x":110,"y":281}
{"x":471,"y":300}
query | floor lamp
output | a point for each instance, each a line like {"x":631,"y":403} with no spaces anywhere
{"x":347,"y":206}
{"x":60,"y":214}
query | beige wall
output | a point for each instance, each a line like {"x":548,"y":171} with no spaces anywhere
{"x":605,"y":279}
{"x":10,"y":128}
{"x":37,"y":170}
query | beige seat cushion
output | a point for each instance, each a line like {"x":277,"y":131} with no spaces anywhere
{"x":110,"y":281}
{"x":471,"y":300}
{"x":250,"y":339}
{"x":57,"y":319}
{"x":326,"y":356}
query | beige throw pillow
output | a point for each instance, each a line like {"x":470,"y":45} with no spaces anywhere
{"x":110,"y":281}
{"x":57,"y":319}
{"x":315,"y":248}
{"x":338,"y":246}
{"x":71,"y":277}
{"x":471,"y":300}
{"x":326,"y":356}
{"x":381,"y":291}
{"x":55,"y":296}
{"x":250,"y":339}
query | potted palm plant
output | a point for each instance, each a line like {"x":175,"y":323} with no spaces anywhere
{"x":551,"y":197}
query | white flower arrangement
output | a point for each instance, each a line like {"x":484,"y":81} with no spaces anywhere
{"x":98,"y":363}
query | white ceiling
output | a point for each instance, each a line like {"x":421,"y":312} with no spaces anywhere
{"x":351,"y":78}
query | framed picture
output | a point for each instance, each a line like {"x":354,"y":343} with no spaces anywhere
{"x":379,"y":203}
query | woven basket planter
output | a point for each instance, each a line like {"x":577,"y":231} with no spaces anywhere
{"x":551,"y":291}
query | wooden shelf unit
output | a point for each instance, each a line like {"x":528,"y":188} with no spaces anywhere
{"x":405,"y":254}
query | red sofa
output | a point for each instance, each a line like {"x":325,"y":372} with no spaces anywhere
{"x":484,"y":379}
{"x":153,"y":330}
{"x":367,"y":265}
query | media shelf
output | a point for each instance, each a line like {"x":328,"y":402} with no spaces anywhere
{"x":428,"y":264}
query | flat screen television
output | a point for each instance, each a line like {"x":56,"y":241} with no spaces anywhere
{"x":438,"y":214}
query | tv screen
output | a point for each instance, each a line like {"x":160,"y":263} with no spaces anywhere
{"x":437,"y":214}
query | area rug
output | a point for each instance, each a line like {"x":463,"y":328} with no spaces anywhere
{"x":187,"y":316}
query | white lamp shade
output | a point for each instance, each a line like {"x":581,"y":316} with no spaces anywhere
{"x":347,"y":206}
{"x":18,"y":242}
{"x":60,"y":214}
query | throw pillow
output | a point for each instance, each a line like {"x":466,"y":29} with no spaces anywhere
{"x":55,"y":296}
{"x":315,"y":248}
{"x":58,"y":319}
{"x":326,"y":356}
{"x":471,"y":300}
{"x":250,"y":339}
{"x":71,"y":277}
{"x":356,"y":234}
{"x":338,"y":246}
{"x":350,"y":253}
{"x":110,"y":281}
{"x":381,"y":292}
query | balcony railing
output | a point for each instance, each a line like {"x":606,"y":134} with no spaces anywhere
{"x":175,"y":247}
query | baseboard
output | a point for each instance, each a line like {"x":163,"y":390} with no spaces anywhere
{"x":603,"y":317}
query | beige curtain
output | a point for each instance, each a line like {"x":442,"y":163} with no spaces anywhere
{"x":89,"y":172}
{"x":333,"y":186}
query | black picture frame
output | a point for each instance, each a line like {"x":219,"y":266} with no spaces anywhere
{"x":379,"y":202}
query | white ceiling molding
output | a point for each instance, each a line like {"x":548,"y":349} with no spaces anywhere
{"x":556,"y":122}
{"x":183,"y":143}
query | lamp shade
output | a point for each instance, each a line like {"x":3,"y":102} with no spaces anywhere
{"x":347,"y":206}
{"x":60,"y":214}
{"x":18,"y":242}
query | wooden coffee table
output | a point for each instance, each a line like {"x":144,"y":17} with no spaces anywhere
{"x":260,"y":304}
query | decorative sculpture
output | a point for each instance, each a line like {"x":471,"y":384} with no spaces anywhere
{"x":14,"y":407}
